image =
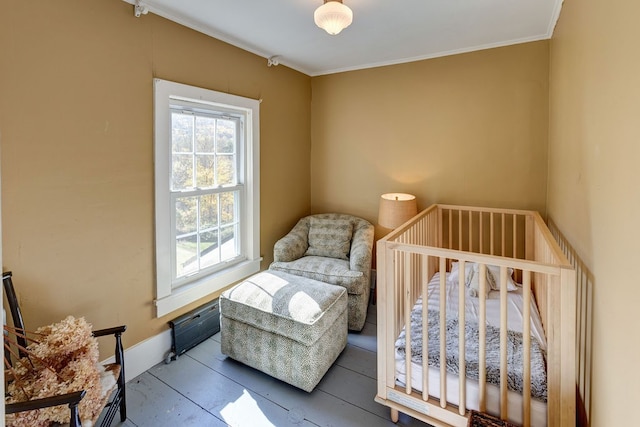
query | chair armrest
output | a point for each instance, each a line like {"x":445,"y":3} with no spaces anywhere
{"x":71,"y":399}
{"x":117,"y":332}
{"x":293,"y":245}
{"x":109,"y":331}
{"x":361,"y":249}
{"x":29,"y":405}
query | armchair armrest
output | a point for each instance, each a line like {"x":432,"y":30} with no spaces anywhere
{"x":71,"y":399}
{"x":293,"y":245}
{"x":361,"y":249}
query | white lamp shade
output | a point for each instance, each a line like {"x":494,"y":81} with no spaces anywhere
{"x":333,"y":17}
{"x":396,"y":209}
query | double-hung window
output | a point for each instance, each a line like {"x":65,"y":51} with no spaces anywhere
{"x":207,"y":192}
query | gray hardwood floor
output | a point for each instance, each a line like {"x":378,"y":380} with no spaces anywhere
{"x":205,"y":388}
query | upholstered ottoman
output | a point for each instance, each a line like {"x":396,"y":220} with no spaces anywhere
{"x":287,"y":326}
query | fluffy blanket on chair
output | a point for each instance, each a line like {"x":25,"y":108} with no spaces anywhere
{"x":514,"y":352}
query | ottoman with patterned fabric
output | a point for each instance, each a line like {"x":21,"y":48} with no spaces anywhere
{"x":290,"y":327}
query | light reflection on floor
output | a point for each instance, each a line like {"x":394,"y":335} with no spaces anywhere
{"x":244,"y":411}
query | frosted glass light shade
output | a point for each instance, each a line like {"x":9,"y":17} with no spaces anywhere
{"x":396,"y":209}
{"x":333,"y":16}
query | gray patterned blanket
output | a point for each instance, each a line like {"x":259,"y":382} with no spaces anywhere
{"x":514,"y":352}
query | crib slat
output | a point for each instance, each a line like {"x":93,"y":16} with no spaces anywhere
{"x":515,"y":240}
{"x":491,"y":234}
{"x":443,"y":333}
{"x":526,"y":337}
{"x":483,"y":339}
{"x":461,"y":340}
{"x":417,"y":271}
{"x":502,"y":235}
{"x":425,"y":331}
{"x":407,"y":319}
{"x":481,"y":232}
{"x":399,"y":283}
{"x":503,"y":343}
{"x":440,"y":229}
{"x":459,"y":230}
{"x":470,"y":232}
{"x":450,"y":229}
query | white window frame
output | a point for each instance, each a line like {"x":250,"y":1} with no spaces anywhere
{"x":166,"y":93}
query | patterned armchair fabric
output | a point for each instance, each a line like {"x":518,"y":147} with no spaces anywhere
{"x":292,"y":255}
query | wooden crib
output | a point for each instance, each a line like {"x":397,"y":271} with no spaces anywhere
{"x":503,"y":241}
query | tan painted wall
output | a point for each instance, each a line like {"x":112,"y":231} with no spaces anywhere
{"x":76,"y":123}
{"x":593,"y":183}
{"x":466,"y":129}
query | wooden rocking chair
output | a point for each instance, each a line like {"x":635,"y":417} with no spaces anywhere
{"x":116,"y":393}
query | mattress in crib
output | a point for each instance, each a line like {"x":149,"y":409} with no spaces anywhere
{"x":515,"y":321}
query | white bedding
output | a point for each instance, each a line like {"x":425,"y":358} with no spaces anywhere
{"x":472,"y":308}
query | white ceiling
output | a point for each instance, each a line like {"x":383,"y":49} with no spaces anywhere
{"x":383,"y":32}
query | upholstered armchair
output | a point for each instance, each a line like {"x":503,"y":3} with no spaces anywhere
{"x":335,"y":249}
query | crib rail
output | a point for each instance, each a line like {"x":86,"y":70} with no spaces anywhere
{"x":584,"y":326}
{"x":441,"y":234}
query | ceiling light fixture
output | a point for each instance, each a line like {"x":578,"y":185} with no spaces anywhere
{"x":333,"y":16}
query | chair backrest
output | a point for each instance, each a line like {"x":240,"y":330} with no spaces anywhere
{"x":14,"y":307}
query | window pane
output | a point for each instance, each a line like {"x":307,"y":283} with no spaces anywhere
{"x":205,"y":134}
{"x":209,"y":253}
{"x":208,"y":211}
{"x":186,"y":255}
{"x":181,"y":171}
{"x":181,"y":133}
{"x":227,"y":207}
{"x":229,"y":248}
{"x":226,"y":137}
{"x":226,"y":171}
{"x":204,"y":172}
{"x":186,"y":215}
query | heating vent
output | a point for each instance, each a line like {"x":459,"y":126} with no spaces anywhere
{"x":193,"y":327}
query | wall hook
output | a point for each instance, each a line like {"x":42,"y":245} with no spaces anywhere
{"x":273,"y":61}
{"x":139,"y":9}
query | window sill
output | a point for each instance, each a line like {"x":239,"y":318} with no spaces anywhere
{"x":205,"y":286}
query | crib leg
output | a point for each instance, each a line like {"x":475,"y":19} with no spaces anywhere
{"x":395,"y":415}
